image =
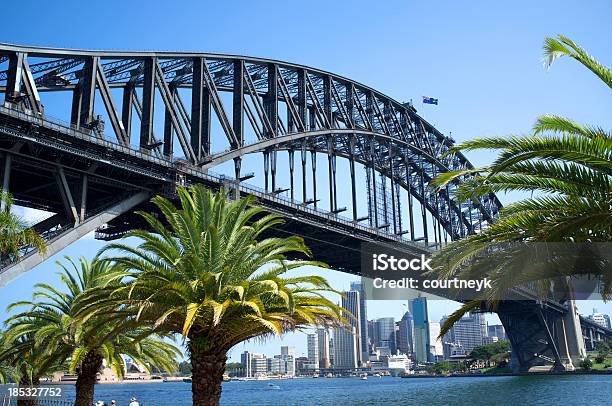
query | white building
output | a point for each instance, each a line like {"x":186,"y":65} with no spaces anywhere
{"x":254,"y":364}
{"x":600,"y":318}
{"x":436,"y":350}
{"x":281,"y":365}
{"x":313,"y":350}
{"x":489,"y":340}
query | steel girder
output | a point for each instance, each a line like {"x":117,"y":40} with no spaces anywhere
{"x":329,"y":114}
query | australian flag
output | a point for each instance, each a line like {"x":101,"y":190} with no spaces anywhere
{"x":430,"y":100}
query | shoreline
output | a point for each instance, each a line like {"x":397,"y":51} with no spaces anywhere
{"x":411,"y":376}
{"x":416,"y":376}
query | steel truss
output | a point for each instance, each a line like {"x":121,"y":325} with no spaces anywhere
{"x":321,"y":112}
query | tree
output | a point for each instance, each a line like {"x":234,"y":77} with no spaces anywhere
{"x":567,"y":168}
{"x":603,"y":347}
{"x":25,"y":363}
{"x":586,"y":364}
{"x":15,"y":233}
{"x":207,"y":273}
{"x":494,"y":352}
{"x":184,"y":368}
{"x":57,"y":334}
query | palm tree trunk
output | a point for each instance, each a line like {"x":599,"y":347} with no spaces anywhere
{"x":86,"y":379}
{"x":29,"y":402}
{"x":207,"y":369}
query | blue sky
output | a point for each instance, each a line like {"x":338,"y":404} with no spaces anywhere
{"x":482,"y":60}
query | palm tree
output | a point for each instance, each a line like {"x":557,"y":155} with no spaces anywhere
{"x":87,"y":343}
{"x":24,"y":363}
{"x":567,"y":167}
{"x":207,"y":273}
{"x":15,"y":233}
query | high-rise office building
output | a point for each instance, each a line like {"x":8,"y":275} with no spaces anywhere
{"x":313,"y":349}
{"x":386,"y":333}
{"x":418,"y":308}
{"x":496,"y":330}
{"x":373,"y":335}
{"x":364,"y":337}
{"x":466,"y":333}
{"x":404,"y":334}
{"x":351,"y":302}
{"x":324,"y":356}
{"x":345,"y":348}
{"x":331,"y":349}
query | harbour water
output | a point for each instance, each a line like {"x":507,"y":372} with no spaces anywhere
{"x":469,"y":391}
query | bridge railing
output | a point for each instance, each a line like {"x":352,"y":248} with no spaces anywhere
{"x":81,"y":134}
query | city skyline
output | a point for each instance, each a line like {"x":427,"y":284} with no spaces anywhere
{"x":469,"y":332}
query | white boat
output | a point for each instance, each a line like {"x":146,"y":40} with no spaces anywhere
{"x":364,"y":377}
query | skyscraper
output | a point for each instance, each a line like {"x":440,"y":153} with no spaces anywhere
{"x":351,"y":302}
{"x":405,"y":334}
{"x":386,"y":333}
{"x":345,"y":348}
{"x":324,"y":356}
{"x":372,"y":334}
{"x":364,"y":337}
{"x":313,"y":349}
{"x":421,"y":328}
{"x":496,"y":330}
{"x":466,"y":333}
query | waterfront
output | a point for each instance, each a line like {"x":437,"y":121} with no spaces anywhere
{"x":523,"y":390}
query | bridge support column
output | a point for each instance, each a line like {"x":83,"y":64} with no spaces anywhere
{"x":353,"y":188}
{"x":529,"y":328}
{"x":6,"y":178}
{"x":573,"y":334}
{"x":304,"y":186}
{"x":266,"y":156}
{"x":273,"y":169}
{"x":237,"y":168}
{"x":423,"y":210}
{"x":291,"y":169}
{"x":313,"y":158}
{"x":66,"y":196}
{"x":331,"y":159}
{"x":409,"y":193}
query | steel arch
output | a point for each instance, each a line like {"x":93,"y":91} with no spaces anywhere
{"x":325,"y":112}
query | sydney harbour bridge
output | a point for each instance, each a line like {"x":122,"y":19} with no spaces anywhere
{"x":137,"y":124}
